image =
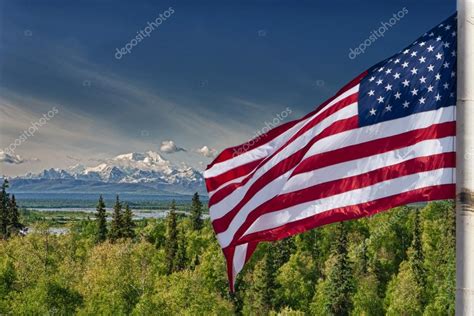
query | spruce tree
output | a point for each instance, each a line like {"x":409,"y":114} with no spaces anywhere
{"x":15,"y":226}
{"x":4,"y":212}
{"x":196,"y":212}
{"x":417,"y":257}
{"x":171,"y":245}
{"x":101,"y":217}
{"x":116,"y":225}
{"x":181,"y":258}
{"x":128,"y":224}
{"x":340,"y":281}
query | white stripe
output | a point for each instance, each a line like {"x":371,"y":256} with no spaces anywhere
{"x":268,"y":148}
{"x":230,"y":201}
{"x":366,"y":164}
{"x":354,"y":197}
{"x":363,"y":165}
{"x":235,"y":180}
{"x":352,"y":137}
{"x":240,"y":253}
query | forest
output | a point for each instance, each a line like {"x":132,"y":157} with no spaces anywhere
{"x":399,"y":262}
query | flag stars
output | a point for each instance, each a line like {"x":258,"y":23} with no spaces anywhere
{"x":388,"y":108}
{"x":439,"y":56}
{"x":406,"y":104}
{"x":430,"y":88}
{"x":438,"y":38}
{"x":413,"y":54}
{"x":398,"y":95}
{"x":430,"y":48}
{"x":406,"y":51}
{"x":373,"y":112}
{"x":422,"y":44}
{"x":422,"y":79}
{"x":414,"y":71}
{"x":430,"y":68}
{"x":438,"y":76}
{"x":388,"y":71}
{"x":405,"y":64}
{"x":422,"y":100}
{"x":414,"y":91}
{"x":438,"y":97}
{"x":372,"y":79}
{"x":396,"y":75}
{"x":379,"y":82}
{"x":388,"y":87}
{"x":380,"y":99}
{"x":453,"y":74}
{"x":406,"y":83}
{"x":446,"y":85}
{"x":446,"y":44}
{"x":371,"y":93}
{"x":446,"y":65}
{"x":422,"y":59}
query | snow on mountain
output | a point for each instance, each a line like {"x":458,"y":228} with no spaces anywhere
{"x":149,"y":169}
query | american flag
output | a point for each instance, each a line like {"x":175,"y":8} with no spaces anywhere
{"x":386,"y":139}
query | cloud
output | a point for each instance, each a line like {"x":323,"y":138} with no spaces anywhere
{"x":11,"y":158}
{"x":169,"y":147}
{"x":207,"y":152}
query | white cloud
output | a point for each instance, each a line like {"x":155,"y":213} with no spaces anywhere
{"x":207,"y":152}
{"x":169,"y":147}
{"x":10,"y":158}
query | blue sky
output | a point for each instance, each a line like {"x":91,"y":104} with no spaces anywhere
{"x":212,"y":74}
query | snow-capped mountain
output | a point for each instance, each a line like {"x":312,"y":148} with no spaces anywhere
{"x":141,"y":172}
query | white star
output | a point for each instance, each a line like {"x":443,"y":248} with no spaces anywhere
{"x":430,"y":68}
{"x":430,"y":88}
{"x":413,"y":54}
{"x":422,"y":44}
{"x":430,"y":48}
{"x":422,"y":100}
{"x":380,"y":99}
{"x":406,"y":104}
{"x":414,"y":92}
{"x":396,"y":76}
{"x":372,"y":79}
{"x":439,"y":56}
{"x":396,"y":61}
{"x":438,"y":76}
{"x":388,"y":108}
{"x":446,"y":85}
{"x":438,"y":38}
{"x":414,"y":71}
{"x":451,"y":95}
{"x":431,"y":34}
{"x":446,"y":65}
{"x":381,"y":69}
{"x":379,"y":82}
{"x":398,"y":95}
{"x":405,"y":64}
{"x":453,"y":34}
{"x":388,"y":87}
{"x":422,"y":59}
{"x":453,"y":53}
{"x":422,"y":79}
{"x":371,"y":93}
{"x":438,"y":97}
{"x":373,"y":111}
{"x":406,"y":83}
{"x":406,"y":51}
{"x":446,"y":44}
{"x":453,"y":73}
{"x":448,"y":27}
{"x":388,"y":71}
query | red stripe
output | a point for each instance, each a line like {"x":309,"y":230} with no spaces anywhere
{"x":232,"y":152}
{"x":279,"y":169}
{"x":327,"y":189}
{"x":213,"y":183}
{"x":437,"y":192}
{"x":219,"y":195}
{"x":376,"y":146}
{"x":337,"y":156}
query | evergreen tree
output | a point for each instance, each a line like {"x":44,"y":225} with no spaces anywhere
{"x":128,"y":224}
{"x":116,"y":225}
{"x":4,"y":212}
{"x":101,"y":217}
{"x":340,"y":280}
{"x":171,"y":245}
{"x":15,"y":226}
{"x":196,"y":212}
{"x":181,"y":258}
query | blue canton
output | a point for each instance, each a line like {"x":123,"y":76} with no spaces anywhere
{"x":422,"y":77}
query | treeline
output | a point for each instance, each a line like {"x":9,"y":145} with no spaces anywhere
{"x":395,"y":263}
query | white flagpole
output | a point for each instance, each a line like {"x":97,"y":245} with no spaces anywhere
{"x":465,"y":161}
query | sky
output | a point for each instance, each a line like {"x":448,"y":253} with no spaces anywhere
{"x":208,"y":75}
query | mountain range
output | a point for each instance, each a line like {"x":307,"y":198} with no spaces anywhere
{"x":140,"y":173}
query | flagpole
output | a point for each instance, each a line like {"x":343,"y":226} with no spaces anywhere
{"x":464,"y":160}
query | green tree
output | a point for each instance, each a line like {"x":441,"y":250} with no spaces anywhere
{"x":171,"y":245}
{"x":196,"y":212}
{"x":15,"y":226}
{"x":128,"y":228}
{"x":417,"y":252}
{"x":116,"y":231}
{"x":4,"y":211}
{"x":101,"y":219}
{"x":181,"y":257}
